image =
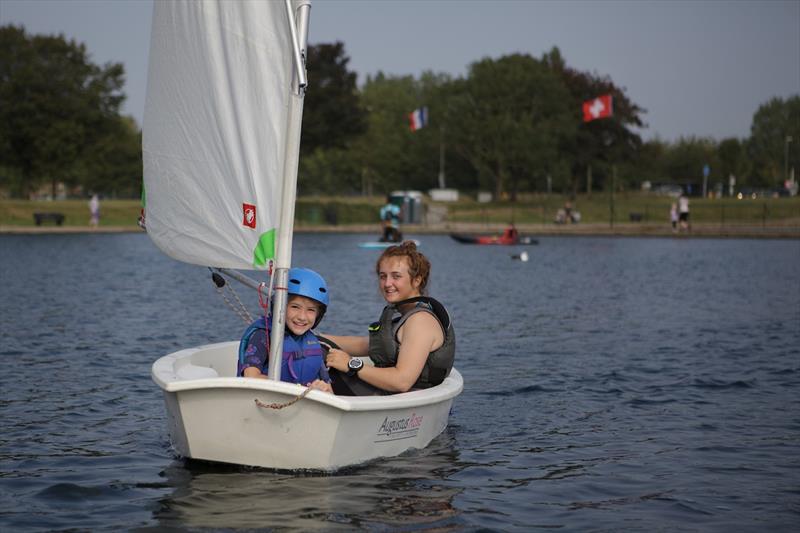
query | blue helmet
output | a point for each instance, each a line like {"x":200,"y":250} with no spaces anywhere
{"x":306,"y":282}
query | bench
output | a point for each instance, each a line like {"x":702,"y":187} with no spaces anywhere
{"x":58,"y":218}
{"x":635,"y":217}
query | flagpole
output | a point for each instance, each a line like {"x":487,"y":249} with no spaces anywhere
{"x":589,"y":180}
{"x":441,"y":158}
{"x":613,"y":186}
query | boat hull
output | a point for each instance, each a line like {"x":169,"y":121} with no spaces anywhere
{"x":492,"y":239}
{"x":213,"y":416}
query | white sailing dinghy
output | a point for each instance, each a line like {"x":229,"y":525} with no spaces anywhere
{"x":220,"y":142}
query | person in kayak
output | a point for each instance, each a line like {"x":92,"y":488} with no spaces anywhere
{"x":411,"y":347}
{"x":303,"y":355}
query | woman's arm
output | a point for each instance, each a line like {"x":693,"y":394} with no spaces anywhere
{"x":353,"y":345}
{"x":420,"y":335}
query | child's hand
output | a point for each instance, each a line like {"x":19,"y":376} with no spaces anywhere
{"x":321,"y":385}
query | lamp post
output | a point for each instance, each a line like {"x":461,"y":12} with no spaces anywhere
{"x":786,"y":159}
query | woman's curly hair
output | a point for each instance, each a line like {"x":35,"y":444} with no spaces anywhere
{"x":418,"y":264}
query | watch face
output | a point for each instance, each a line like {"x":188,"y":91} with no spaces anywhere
{"x":355,"y":363}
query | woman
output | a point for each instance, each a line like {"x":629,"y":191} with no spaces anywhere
{"x":412,"y":346}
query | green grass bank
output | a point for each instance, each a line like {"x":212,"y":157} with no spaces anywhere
{"x":531,"y":210}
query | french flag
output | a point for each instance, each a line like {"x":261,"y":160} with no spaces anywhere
{"x":418,"y":118}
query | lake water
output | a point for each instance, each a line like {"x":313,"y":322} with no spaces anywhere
{"x":610,"y":384}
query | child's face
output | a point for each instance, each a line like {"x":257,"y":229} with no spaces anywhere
{"x":301,"y":313}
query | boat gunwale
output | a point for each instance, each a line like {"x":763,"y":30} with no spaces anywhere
{"x":448,"y":389}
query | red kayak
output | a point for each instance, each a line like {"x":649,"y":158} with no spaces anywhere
{"x":509,"y":237}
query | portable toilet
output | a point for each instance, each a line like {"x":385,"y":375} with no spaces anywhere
{"x":411,"y":204}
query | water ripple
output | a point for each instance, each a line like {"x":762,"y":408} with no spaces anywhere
{"x":652,"y":387}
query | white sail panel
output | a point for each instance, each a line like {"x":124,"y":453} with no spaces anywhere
{"x":214,"y":133}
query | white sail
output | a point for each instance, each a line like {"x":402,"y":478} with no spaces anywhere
{"x":215,"y":130}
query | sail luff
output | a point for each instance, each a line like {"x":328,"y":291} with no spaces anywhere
{"x":283,"y":253}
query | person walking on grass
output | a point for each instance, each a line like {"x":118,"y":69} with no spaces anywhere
{"x":94,"y":211}
{"x":683,"y":211}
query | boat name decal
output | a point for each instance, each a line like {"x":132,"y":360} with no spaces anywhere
{"x":388,"y":426}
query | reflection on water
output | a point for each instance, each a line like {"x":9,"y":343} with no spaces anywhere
{"x":414,"y":491}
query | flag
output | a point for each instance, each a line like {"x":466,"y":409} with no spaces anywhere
{"x":418,"y":118}
{"x":600,"y":107}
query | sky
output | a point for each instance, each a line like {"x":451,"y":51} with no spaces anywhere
{"x":698,"y":68}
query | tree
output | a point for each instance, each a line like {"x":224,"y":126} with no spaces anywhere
{"x":55,"y":107}
{"x":731,"y":156}
{"x":773,"y":122}
{"x":332,"y":111}
{"x":510,"y":116}
{"x":649,"y":162}
{"x":599,"y":143}
{"x":385,"y":153}
{"x":114,"y":166}
{"x":685,"y":160}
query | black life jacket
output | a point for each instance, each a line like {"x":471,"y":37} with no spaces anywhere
{"x":384,"y":348}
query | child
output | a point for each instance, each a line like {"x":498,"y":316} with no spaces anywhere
{"x":303,"y":356}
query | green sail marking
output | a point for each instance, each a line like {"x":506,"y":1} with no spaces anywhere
{"x":265,"y":249}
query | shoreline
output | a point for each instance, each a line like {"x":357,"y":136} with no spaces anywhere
{"x":753,"y":231}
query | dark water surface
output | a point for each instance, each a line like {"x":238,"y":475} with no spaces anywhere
{"x":610,"y":384}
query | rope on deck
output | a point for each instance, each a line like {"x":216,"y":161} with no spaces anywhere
{"x":282,"y":405}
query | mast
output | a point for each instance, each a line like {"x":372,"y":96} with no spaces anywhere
{"x":298,"y":27}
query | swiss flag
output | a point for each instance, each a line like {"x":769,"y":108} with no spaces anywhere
{"x":600,"y":107}
{"x":249,"y":215}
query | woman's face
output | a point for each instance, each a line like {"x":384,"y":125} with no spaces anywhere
{"x":301,"y":313}
{"x":394,"y":280}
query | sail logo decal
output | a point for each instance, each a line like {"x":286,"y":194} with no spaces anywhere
{"x":399,"y":428}
{"x":249,"y":215}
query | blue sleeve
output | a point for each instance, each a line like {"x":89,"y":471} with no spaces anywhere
{"x":256,"y":353}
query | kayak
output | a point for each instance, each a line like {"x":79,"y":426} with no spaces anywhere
{"x":493,"y":239}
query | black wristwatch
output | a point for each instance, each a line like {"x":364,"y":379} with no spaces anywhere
{"x":354,"y":365}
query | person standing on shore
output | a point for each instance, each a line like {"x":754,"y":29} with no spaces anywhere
{"x":673,"y":217}
{"x":683,"y":211}
{"x":94,"y":211}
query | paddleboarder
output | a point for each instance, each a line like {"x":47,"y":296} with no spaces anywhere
{"x":390,"y":221}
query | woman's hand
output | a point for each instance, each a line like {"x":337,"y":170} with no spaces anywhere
{"x":337,"y":359}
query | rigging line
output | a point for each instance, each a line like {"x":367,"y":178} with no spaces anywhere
{"x":264,"y":300}
{"x":219,"y":284}
{"x":245,"y":313}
